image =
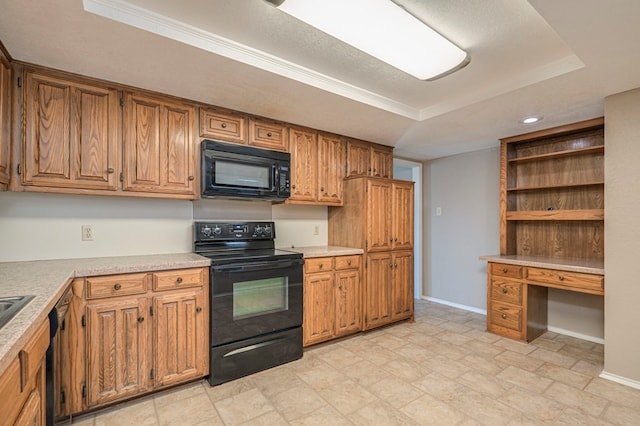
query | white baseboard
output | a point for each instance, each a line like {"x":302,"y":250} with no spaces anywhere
{"x":576,"y":335}
{"x":619,"y":379}
{"x":456,"y":305}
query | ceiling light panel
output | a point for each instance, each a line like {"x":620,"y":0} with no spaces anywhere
{"x":384,"y":30}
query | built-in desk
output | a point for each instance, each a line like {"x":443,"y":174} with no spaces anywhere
{"x":517,"y":290}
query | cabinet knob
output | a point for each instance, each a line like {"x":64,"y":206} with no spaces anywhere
{"x":340,"y":286}
{"x":369,"y":170}
{"x":191,"y":177}
{"x":504,"y":316}
{"x":269,"y":135}
{"x":140,"y":319}
{"x":390,"y":240}
{"x":395,"y":239}
{"x":293,"y":187}
{"x":374,"y":170}
{"x":198,"y":309}
{"x":504,"y":291}
{"x":321,"y":265}
{"x":110,"y":170}
{"x":118,"y":286}
{"x":391,"y":265}
{"x":223,"y":125}
{"x":322,"y":189}
{"x":504,"y":270}
{"x":561,"y":277}
{"x":179,"y":280}
{"x":395,"y":265}
{"x":349,"y":262}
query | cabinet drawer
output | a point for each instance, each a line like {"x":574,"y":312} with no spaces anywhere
{"x":573,"y":280}
{"x":348,"y":262}
{"x":506,"y":291}
{"x":268,"y":134}
{"x":171,"y":280}
{"x":506,"y":315}
{"x":504,"y":270}
{"x":224,"y":126}
{"x":116,"y":285}
{"x":318,"y":264}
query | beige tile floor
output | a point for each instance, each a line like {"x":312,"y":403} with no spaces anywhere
{"x":444,"y":369}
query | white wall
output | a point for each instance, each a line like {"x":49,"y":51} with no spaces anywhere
{"x":48,"y":226}
{"x":622,"y":233}
{"x":466,"y":188}
{"x":296,"y":225}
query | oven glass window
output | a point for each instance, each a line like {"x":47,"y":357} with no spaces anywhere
{"x":241,"y":174}
{"x":260,"y":297}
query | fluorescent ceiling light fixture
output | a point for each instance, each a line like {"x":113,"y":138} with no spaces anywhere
{"x":384,"y":30}
{"x":530,"y":120}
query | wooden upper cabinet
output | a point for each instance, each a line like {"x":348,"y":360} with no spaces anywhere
{"x":5,"y":119}
{"x":159,"y":146}
{"x":402,"y":222}
{"x":304,"y":159}
{"x":223,"y":125}
{"x":331,"y":157}
{"x":369,"y":159}
{"x":70,"y":137}
{"x":268,"y":134}
{"x":379,"y":215}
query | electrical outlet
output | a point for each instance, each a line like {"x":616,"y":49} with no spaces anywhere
{"x":87,"y":233}
{"x":316,"y":230}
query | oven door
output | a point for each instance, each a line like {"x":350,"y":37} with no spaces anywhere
{"x":249,"y":299}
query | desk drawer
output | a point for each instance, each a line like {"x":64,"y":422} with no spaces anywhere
{"x":504,"y":270}
{"x":571,"y":280}
{"x":506,"y":291}
{"x":347,"y":262}
{"x":116,"y":285}
{"x":507,"y":316}
{"x":318,"y":264}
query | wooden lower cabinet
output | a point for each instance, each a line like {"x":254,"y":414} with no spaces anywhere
{"x":332,"y":298}
{"x":130,"y":334}
{"x":23,"y":386}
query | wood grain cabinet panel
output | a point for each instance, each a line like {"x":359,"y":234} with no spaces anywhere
{"x":379,"y":233}
{"x":331,"y":155}
{"x":268,"y":134}
{"x":223,"y":125}
{"x":304,"y":173}
{"x":402,"y":222}
{"x":5,"y":119}
{"x":348,"y":302}
{"x":319,"y":307}
{"x":402,"y":278}
{"x":378,"y":303}
{"x":159,"y":147}
{"x":70,"y":137}
{"x":381,"y":161}
{"x":369,"y":159}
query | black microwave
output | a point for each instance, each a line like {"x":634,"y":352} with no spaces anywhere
{"x":244,"y":172}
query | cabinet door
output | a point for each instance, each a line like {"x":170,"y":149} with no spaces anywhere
{"x":402,"y":284}
{"x":378,"y":215}
{"x":180,"y":343}
{"x":381,"y":162}
{"x":402,"y":216}
{"x":318,"y":311}
{"x":70,"y":134}
{"x":268,"y":135}
{"x":379,"y":289}
{"x":304,"y":150}
{"x":159,"y":147}
{"x":348,"y":302}
{"x":358,"y":159}
{"x":223,"y":126}
{"x":5,"y":119}
{"x":33,"y":412}
{"x":330,"y":169}
{"x":118,"y":349}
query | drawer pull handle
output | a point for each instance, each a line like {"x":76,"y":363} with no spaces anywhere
{"x":140,"y":319}
{"x":269,"y":135}
{"x":504,"y":291}
{"x":504,"y":316}
{"x":504,"y":270}
{"x":179,"y":280}
{"x":198,"y":309}
{"x":118,"y":286}
{"x":561,"y":278}
{"x":223,"y":125}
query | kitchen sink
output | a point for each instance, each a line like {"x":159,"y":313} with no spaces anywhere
{"x":9,"y":306}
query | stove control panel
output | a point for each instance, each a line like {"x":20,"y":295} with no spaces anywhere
{"x":211,"y":231}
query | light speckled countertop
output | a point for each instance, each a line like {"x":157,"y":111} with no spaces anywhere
{"x":322,"y":251}
{"x":572,"y":265}
{"x":48,"y":279}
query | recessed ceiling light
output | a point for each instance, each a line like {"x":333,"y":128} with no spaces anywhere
{"x":384,"y":30}
{"x":530,"y":120}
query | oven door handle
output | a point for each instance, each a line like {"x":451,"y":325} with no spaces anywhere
{"x":257,"y":266}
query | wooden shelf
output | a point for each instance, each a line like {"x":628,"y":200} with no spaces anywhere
{"x":559,"y":154}
{"x":595,"y":214}
{"x":559,"y":186}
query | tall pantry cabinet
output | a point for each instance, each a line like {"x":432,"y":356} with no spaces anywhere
{"x":377,"y":216}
